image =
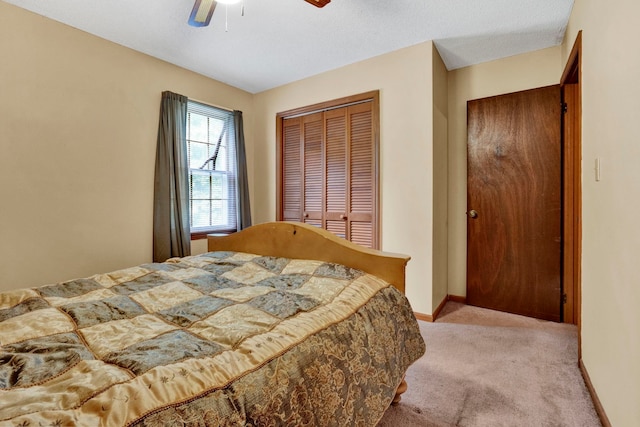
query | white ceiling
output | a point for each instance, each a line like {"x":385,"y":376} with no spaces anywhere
{"x":280,"y":41}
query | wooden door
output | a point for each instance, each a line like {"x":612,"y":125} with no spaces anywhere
{"x":302,"y":169}
{"x":337,"y":183}
{"x":362,"y":192}
{"x":291,"y":166}
{"x":514,"y":204}
{"x":328,"y":167}
{"x":313,"y":175}
{"x":350,"y":174}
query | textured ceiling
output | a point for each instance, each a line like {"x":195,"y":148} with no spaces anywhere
{"x":280,"y":41}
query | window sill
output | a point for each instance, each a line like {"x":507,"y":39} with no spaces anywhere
{"x":200,"y":235}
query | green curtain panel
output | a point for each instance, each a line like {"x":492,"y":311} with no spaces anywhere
{"x":244,"y":207}
{"x":171,"y":230}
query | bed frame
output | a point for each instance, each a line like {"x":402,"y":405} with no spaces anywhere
{"x":302,"y":241}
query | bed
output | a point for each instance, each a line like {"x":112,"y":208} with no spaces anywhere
{"x":279,"y":324}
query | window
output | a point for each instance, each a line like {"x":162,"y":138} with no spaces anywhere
{"x":212,"y":169}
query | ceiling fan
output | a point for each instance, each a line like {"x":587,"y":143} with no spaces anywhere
{"x":203,"y":10}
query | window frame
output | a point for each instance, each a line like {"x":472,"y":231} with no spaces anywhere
{"x":227,"y":141}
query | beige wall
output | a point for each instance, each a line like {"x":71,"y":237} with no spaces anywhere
{"x":78,"y":123}
{"x":440,"y":165}
{"x":611,"y":236}
{"x":406,"y":153}
{"x":78,"y":128}
{"x":527,"y":71}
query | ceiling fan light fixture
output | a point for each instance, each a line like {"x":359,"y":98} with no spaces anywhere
{"x":202,"y":12}
{"x":318,"y":3}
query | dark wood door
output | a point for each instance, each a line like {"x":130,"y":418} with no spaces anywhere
{"x":513,"y":202}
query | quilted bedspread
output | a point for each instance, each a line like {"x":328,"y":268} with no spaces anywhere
{"x":221,"y":338}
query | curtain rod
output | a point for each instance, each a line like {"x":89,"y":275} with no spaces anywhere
{"x":210,"y":104}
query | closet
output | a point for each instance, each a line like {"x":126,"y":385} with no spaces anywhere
{"x":328,"y":167}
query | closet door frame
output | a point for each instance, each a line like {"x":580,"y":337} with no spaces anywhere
{"x":374,"y":98}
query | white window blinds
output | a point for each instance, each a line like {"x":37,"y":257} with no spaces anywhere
{"x":212,"y":168}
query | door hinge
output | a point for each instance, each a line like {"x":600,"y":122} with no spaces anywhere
{"x":564,"y":298}
{"x":564,"y":107}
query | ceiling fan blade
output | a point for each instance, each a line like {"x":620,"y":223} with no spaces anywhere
{"x":319,"y":3}
{"x":202,"y":12}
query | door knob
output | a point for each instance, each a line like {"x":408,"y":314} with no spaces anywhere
{"x":473,"y":214}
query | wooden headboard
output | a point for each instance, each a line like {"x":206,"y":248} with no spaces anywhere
{"x":301,"y":241}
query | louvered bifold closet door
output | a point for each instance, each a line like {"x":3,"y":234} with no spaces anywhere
{"x":362,"y":189}
{"x":292,"y":155}
{"x":336,"y":172}
{"x":313,"y":161}
{"x":328,"y":173}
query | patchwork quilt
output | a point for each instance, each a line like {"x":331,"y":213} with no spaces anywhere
{"x":221,"y":338}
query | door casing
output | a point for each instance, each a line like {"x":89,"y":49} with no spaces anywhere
{"x":571,"y":90}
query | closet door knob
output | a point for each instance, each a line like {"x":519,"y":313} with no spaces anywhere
{"x":343,"y":217}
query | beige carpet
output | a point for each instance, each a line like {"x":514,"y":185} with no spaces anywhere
{"x":487,"y":368}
